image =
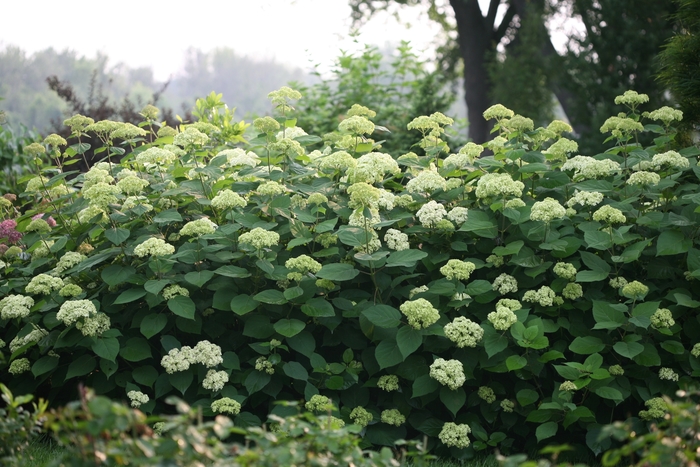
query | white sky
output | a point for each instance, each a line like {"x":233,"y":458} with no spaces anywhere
{"x":157,"y":33}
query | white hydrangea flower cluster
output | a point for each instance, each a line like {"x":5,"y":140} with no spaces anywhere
{"x":586,"y":167}
{"x":454,"y":435}
{"x":493,"y":185}
{"x":666,"y":114}
{"x":544,"y":296}
{"x":585,"y":198}
{"x":271,"y":188}
{"x":154,"y":247}
{"x":190,"y":137}
{"x":396,"y":240}
{"x":133,"y":201}
{"x":226,"y":405}
{"x":386,"y":200}
{"x":457,"y":269}
{"x":363,"y":195}
{"x":94,"y":325}
{"x":204,"y":352}
{"x":505,"y":284}
{"x":431,"y":213}
{"x":631,"y":98}
{"x":644,"y":178}
{"x":15,"y":306}
{"x":227,"y":199}
{"x":215,"y":380}
{"x":662,"y":318}
{"x":670,"y":159}
{"x":416,"y":290}
{"x":237,"y":157}
{"x":668,"y":374}
{"x":547,"y":210}
{"x":464,"y":332}
{"x":388,"y":383}
{"x":504,"y":317}
{"x":34,"y":336}
{"x":458,"y":215}
{"x":561,"y":148}
{"x":609,"y":214}
{"x":259,"y":238}
{"x":565,"y":270}
{"x":357,"y":125}
{"x":420,"y":313}
{"x":132,"y":185}
{"x":93,"y":176}
{"x":101,"y":194}
{"x":174,"y":290}
{"x":198,"y":227}
{"x":635,"y":290}
{"x":137,"y":398}
{"x":301,"y":265}
{"x":293,"y":132}
{"x":572,"y":291}
{"x":449,"y":373}
{"x":618,"y":282}
{"x":457,"y":161}
{"x":68,"y":260}
{"x":358,"y":219}
{"x":319,"y":403}
{"x":427,"y":181}
{"x":495,"y":260}
{"x":339,"y":161}
{"x":153,"y":158}
{"x":44,"y":284}
{"x":19,"y":366}
{"x":360,"y":416}
{"x":372,"y":168}
{"x":72,"y":311}
{"x":695,"y":351}
{"x":92,"y":212}
{"x":263,"y":364}
{"x":498,"y":112}
{"x":621,"y":126}
{"x":393,"y":417}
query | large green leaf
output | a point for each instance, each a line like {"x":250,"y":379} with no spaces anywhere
{"x":152,"y":324}
{"x":182,"y":306}
{"x":338,"y":272}
{"x":135,"y":349}
{"x":513,"y":248}
{"x":408,"y":340}
{"x":607,"y":392}
{"x":424,"y":385}
{"x":628,"y":349}
{"x":388,"y":354}
{"x":586,"y":345}
{"x":453,"y":400}
{"x":318,"y":308}
{"x":117,"y":235}
{"x":608,"y":315}
{"x":81,"y":366}
{"x":199,"y":278}
{"x":130,"y":295}
{"x":406,"y":258}
{"x":383,"y":316}
{"x":289,"y":327}
{"x":270,"y":296}
{"x":116,"y":274}
{"x":481,"y":223}
{"x":255,"y":381}
{"x":526,"y":397}
{"x":591,"y":276}
{"x":181,"y":380}
{"x":295,"y":370}
{"x":594,"y":262}
{"x":44,"y":365}
{"x":672,"y":242}
{"x":106,"y":347}
{"x":243,"y":303}
{"x":232,"y":271}
{"x":146,"y":375}
{"x":546,"y":430}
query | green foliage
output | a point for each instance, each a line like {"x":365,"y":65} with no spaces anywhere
{"x":397,"y":88}
{"x":15,"y":164}
{"x":18,"y":426}
{"x":453,"y":298}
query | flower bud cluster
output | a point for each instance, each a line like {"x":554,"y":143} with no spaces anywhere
{"x":505,"y":284}
{"x":396,"y":240}
{"x":496,"y":185}
{"x":464,"y":332}
{"x":154,"y":247}
{"x":544,"y":296}
{"x":319,"y":403}
{"x":137,"y":398}
{"x":572,"y":291}
{"x":388,"y":383}
{"x":301,"y":265}
{"x":449,"y":373}
{"x":487,"y":394}
{"x":586,"y":167}
{"x":454,"y":435}
{"x":198,"y":227}
{"x":259,"y":238}
{"x":15,"y":306}
{"x":226,"y":405}
{"x":204,"y":352}
{"x":547,"y":210}
{"x":215,"y":380}
{"x":431,"y":213}
{"x":420,"y":313}
{"x":393,"y":417}
{"x":227,"y":199}
{"x":44,"y":284}
{"x":657,"y":409}
{"x":360,"y":416}
{"x":19,"y":366}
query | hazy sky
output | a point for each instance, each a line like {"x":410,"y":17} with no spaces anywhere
{"x":156,"y":33}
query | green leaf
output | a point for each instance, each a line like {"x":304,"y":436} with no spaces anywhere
{"x":182,"y":306}
{"x":546,"y":430}
{"x":293,"y":292}
{"x":606,"y":392}
{"x":424,"y":385}
{"x":167,"y":217}
{"x":295,"y":370}
{"x":383,"y":316}
{"x":152,"y":324}
{"x":289,"y":327}
{"x":628,"y":349}
{"x":513,"y":248}
{"x":255,"y":381}
{"x":117,"y":235}
{"x":146,"y":375}
{"x":607,"y":315}
{"x":478,"y":287}
{"x":649,"y":357}
{"x":81,"y":366}
{"x":44,"y":365}
{"x":181,"y":380}
{"x":405,"y":258}
{"x":135,"y":349}
{"x":526,"y":397}
{"x":318,"y":307}
{"x":594,"y":262}
{"x":453,"y":400}
{"x":481,"y":223}
{"x":155,"y":286}
{"x":270,"y":296}
{"x":494,"y":342}
{"x":672,"y":242}
{"x":106,"y":347}
{"x":673,"y":347}
{"x":326,"y":226}
{"x":232,"y":271}
{"x":129,"y":296}
{"x":199,"y":278}
{"x":515,"y":362}
{"x":337,"y":272}
{"x":686,"y":301}
{"x":408,"y":340}
{"x":634,"y":251}
{"x":304,"y":343}
{"x":597,"y":239}
{"x":388,"y":354}
{"x":586,"y":345}
{"x":115,"y":274}
{"x":591,"y":276}
{"x":242,"y":304}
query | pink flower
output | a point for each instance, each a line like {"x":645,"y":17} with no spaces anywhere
{"x":49,"y":220}
{"x":7,"y":230}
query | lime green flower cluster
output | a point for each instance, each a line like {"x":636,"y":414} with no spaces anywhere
{"x":561,"y":148}
{"x":657,"y":409}
{"x":498,"y":112}
{"x":34,"y":336}
{"x":204,"y":352}
{"x":505,"y":284}
{"x":388,"y":383}
{"x":198,"y":227}
{"x":73,"y":310}
{"x":635,"y":290}
{"x":668,"y":374}
{"x":498,"y":186}
{"x":363,"y":195}
{"x":621,"y":126}
{"x":618,"y":282}
{"x":616,"y":370}
{"x":427,"y":181}
{"x":317,"y":199}
{"x":319,"y":403}
{"x":15,"y":306}
{"x":339,"y":161}
{"x":38,"y":225}
{"x":153,"y":158}
{"x":449,"y":373}
{"x":302,"y":266}
{"x":94,"y":325}
{"x":487,"y":394}
{"x":568,"y":386}
{"x":154,"y":247}
{"x":695,"y":351}
{"x":227,"y":199}
{"x":263,"y":364}
{"x":266,"y":124}
{"x":174,"y":290}
{"x":507,"y":405}
{"x":458,"y":215}
{"x":357,"y":125}
{"x":416,"y":290}
{"x":396,"y":240}
{"x":565,"y":270}
{"x":495,"y":260}
{"x":547,"y":210}
{"x":670,"y":159}
{"x":132,"y":185}
{"x":137,"y":398}
{"x":420,"y":313}
{"x":609,"y":215}
{"x":19,"y":366}
{"x":190,"y":137}
{"x":226,"y":405}
{"x":662,"y":318}
{"x":431,"y":213}
{"x":585,"y":198}
{"x":454,"y":435}
{"x":393,"y":417}
{"x":44,"y":284}
{"x":544,"y":296}
{"x":457,"y":269}
{"x":504,"y":317}
{"x":586,"y":167}
{"x":665,"y":114}
{"x":360,"y":416}
{"x":572,"y":291}
{"x":372,"y":168}
{"x":631,"y":98}
{"x":644,"y":178}
{"x":259,"y":238}
{"x":215,"y":380}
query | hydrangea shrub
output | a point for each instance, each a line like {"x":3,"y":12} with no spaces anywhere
{"x":481,"y":301}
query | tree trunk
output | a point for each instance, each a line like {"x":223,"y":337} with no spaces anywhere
{"x":474,"y":44}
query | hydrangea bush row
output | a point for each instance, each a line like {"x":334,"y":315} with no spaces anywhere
{"x":483,"y":301}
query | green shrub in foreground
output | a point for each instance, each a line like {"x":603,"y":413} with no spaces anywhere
{"x":479,"y":301}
